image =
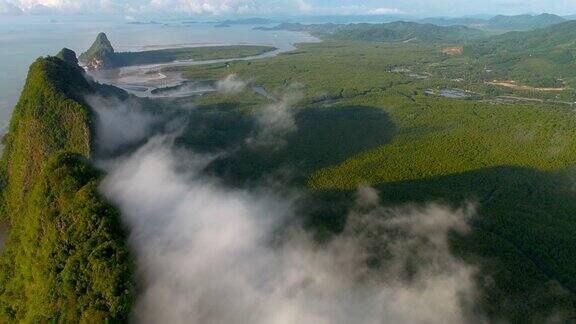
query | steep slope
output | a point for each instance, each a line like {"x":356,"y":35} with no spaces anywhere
{"x":100,"y":55}
{"x":68,"y":56}
{"x":65,"y":259}
{"x":48,"y":118}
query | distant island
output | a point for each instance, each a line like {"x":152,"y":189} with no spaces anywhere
{"x":249,"y":21}
{"x":144,"y":23}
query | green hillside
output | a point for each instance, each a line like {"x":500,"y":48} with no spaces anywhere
{"x":523,"y":22}
{"x":406,"y":31}
{"x":500,"y":23}
{"x":542,"y":58}
{"x":560,"y":36}
{"x":65,"y":259}
{"x":388,"y":32}
{"x":49,"y":117}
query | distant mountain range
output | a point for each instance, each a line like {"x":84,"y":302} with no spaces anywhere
{"x":406,"y":32}
{"x":560,"y":37}
{"x":447,"y":30}
{"x":544,"y":57}
{"x":501,"y":22}
{"x":388,"y":32}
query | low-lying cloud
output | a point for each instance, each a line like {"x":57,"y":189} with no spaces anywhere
{"x":120,"y":122}
{"x":415,"y":8}
{"x":175,"y":7}
{"x":65,"y":6}
{"x":231,"y":84}
{"x":276,"y":120}
{"x":208,"y":253}
{"x":7,"y":8}
{"x":211,"y":254}
{"x":185,"y":89}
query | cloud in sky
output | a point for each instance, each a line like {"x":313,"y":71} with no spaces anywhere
{"x":186,"y":7}
{"x":267,"y":7}
{"x":363,"y":10}
{"x":303,"y":5}
{"x":63,"y":6}
{"x":214,"y":7}
{"x":7,"y":8}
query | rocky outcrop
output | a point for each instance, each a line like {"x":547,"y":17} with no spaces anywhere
{"x":100,"y":56}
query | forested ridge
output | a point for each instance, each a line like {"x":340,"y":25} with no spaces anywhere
{"x":65,"y":259}
{"x":399,"y":31}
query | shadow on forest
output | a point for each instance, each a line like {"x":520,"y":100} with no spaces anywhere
{"x":523,"y":238}
{"x":324,"y":136}
{"x":524,"y":232}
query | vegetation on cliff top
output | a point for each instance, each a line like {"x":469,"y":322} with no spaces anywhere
{"x":65,"y":259}
{"x":68,"y":56}
{"x":49,"y":117}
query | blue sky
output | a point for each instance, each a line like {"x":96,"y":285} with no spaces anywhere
{"x":287,"y":7}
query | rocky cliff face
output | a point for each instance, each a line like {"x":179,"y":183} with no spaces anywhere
{"x":96,"y":64}
{"x":100,"y":56}
{"x":68,"y":56}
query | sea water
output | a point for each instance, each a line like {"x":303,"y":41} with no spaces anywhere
{"x":25,"y":38}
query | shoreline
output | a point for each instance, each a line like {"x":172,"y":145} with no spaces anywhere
{"x":142,"y":80}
